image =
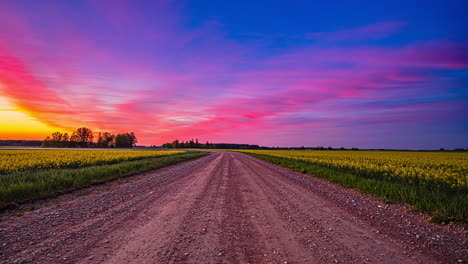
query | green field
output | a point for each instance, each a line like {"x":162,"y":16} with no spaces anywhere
{"x":31,"y":174}
{"x":432,"y":182}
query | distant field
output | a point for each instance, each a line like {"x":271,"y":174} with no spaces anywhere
{"x":26,"y":174}
{"x":33,"y":160}
{"x":433,"y":182}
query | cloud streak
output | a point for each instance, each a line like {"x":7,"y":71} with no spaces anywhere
{"x":169,"y":80}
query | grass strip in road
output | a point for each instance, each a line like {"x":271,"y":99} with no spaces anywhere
{"x":442,"y":204}
{"x":21,"y":186}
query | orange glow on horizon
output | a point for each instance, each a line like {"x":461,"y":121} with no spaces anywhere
{"x":17,"y":124}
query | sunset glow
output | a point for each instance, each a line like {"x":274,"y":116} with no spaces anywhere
{"x":18,"y":124}
{"x":380,"y":77}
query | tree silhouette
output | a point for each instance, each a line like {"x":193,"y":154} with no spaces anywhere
{"x":84,"y":136}
{"x":65,"y":140}
{"x":126,"y":140}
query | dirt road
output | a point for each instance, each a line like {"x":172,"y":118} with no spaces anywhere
{"x":224,"y":208}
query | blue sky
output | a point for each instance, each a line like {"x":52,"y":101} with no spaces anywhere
{"x":373,"y":74}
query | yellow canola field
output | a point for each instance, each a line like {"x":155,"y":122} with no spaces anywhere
{"x":448,"y":168}
{"x":26,"y":160}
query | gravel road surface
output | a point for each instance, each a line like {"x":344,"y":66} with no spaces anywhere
{"x":224,"y":208}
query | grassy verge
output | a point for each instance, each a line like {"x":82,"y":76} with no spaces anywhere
{"x":443,"y":204}
{"x":18,"y":187}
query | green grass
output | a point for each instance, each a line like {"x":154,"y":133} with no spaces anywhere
{"x":21,"y":186}
{"x":441,"y":203}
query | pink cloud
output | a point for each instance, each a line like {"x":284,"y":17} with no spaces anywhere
{"x":194,"y":82}
{"x":28,"y":92}
{"x":308,"y":89}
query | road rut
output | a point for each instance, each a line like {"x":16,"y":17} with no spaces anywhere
{"x":225,"y":208}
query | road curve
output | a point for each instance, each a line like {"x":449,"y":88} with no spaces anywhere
{"x":224,"y":208}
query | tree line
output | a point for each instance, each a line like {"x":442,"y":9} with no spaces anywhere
{"x":195,"y":144}
{"x":83,"y":138}
{"x":187,"y":144}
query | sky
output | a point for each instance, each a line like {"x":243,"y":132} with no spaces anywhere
{"x":367,"y":74}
